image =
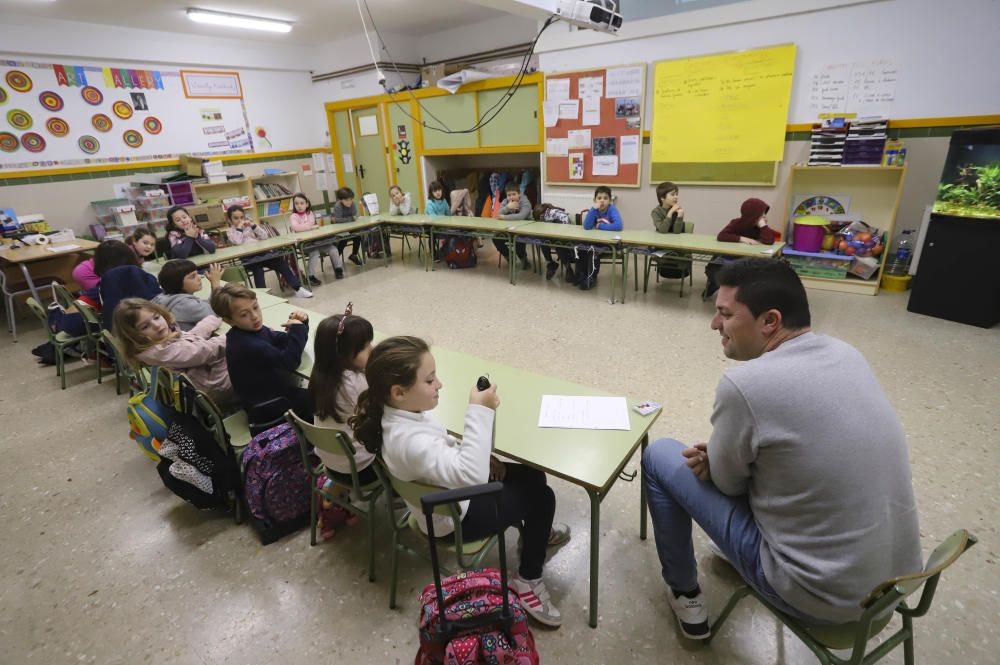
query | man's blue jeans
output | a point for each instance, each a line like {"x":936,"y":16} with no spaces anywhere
{"x":676,"y":496}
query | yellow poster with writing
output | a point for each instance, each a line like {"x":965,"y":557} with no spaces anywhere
{"x":730,"y":107}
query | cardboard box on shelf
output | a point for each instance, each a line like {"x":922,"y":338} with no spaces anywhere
{"x":431,"y":74}
{"x":208,"y":215}
{"x":191,"y":165}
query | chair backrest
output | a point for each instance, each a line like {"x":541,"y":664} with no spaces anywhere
{"x":89,"y":314}
{"x":327,"y":439}
{"x":688,"y":227}
{"x":893,"y":590}
{"x":412,"y":491}
{"x":198,"y":405}
{"x":138,"y":379}
{"x":43,"y":316}
{"x":63,"y":296}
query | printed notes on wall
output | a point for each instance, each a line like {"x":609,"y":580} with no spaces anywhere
{"x":731,"y":107}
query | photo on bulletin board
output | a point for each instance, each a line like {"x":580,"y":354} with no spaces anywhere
{"x":593,"y":126}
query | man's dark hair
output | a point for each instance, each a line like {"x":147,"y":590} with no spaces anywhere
{"x":763,"y":284}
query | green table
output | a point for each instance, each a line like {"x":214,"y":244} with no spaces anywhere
{"x":592,"y":459}
{"x":690,"y":246}
{"x":573,"y":236}
{"x":479,"y":227}
{"x":324,"y":236}
{"x":411,"y":225}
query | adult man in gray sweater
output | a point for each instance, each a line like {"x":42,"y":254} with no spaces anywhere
{"x":805,"y":483}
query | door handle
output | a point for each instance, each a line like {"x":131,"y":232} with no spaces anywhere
{"x":361,"y":170}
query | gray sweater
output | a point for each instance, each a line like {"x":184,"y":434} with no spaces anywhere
{"x":189,"y":310}
{"x":342,"y":213}
{"x":523,"y":210}
{"x":664,"y":223}
{"x":806,"y":431}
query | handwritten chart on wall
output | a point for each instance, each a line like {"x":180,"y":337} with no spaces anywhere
{"x":863,"y":88}
{"x":65,"y":115}
{"x":593,"y":126}
{"x":730,"y":107}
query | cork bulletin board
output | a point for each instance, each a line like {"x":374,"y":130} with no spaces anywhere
{"x":593,"y":126}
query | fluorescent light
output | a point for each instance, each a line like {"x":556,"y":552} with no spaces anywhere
{"x":238,"y":20}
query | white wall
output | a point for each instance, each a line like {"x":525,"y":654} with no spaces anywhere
{"x":940,"y":49}
{"x":483,"y":36}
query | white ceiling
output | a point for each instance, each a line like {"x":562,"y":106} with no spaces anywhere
{"x":315,"y":20}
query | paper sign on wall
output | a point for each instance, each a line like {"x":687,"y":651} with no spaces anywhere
{"x":624,"y":82}
{"x":321,"y":182}
{"x":556,"y":147}
{"x":557,"y":90}
{"x":550,"y":110}
{"x":591,"y":110}
{"x":348,"y":163}
{"x":579,"y":139}
{"x":570,"y":110}
{"x":630,"y":149}
{"x":576,"y":166}
{"x":591,"y":86}
{"x":606,"y":165}
{"x":368,"y":125}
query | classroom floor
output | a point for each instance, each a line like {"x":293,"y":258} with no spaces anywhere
{"x":101,"y":564}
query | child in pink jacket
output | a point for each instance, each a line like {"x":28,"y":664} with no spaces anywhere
{"x":303,"y":219}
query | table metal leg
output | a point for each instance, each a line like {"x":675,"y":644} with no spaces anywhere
{"x":624,"y":281}
{"x":430,"y":254}
{"x":595,"y":543}
{"x":643,"y":506}
{"x":383,"y":239}
{"x":614,"y":273}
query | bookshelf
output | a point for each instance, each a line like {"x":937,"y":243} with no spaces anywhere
{"x":272,"y":195}
{"x":874,"y":191}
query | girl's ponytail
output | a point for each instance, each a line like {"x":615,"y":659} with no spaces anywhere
{"x":367,"y":423}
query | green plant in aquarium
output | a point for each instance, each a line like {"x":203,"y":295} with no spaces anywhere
{"x":988,"y":185}
{"x":958,"y":194}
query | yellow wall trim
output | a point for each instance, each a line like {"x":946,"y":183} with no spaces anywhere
{"x":909,"y":123}
{"x":166,"y":163}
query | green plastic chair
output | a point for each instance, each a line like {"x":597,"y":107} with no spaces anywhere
{"x":467,"y":554}
{"x":332,"y":441}
{"x":138,"y":380}
{"x":653,"y":262}
{"x":878,"y":608}
{"x":59,"y":340}
{"x":95,"y":331}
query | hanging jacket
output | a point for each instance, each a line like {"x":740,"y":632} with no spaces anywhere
{"x":482,"y":194}
{"x":124,"y":282}
{"x":461,"y":204}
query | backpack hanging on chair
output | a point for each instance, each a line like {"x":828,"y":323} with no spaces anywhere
{"x":150,"y":414}
{"x":460,"y":253}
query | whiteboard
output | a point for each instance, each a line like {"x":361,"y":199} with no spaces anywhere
{"x":85,"y":115}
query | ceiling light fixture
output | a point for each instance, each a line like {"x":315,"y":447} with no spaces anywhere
{"x":238,"y":20}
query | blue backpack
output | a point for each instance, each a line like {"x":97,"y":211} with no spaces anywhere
{"x":149,"y":419}
{"x":277,"y":487}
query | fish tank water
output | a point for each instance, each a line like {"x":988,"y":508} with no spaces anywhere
{"x":970,"y":183}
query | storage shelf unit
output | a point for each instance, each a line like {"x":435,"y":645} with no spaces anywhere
{"x":875,"y":193}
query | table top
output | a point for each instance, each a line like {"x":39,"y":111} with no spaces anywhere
{"x":590,"y":458}
{"x":30,"y":253}
{"x":335,"y":229}
{"x":407,"y":220}
{"x":478,"y":223}
{"x":696,"y":242}
{"x":569,"y":232}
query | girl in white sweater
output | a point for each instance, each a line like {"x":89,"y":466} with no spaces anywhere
{"x":393,"y":419}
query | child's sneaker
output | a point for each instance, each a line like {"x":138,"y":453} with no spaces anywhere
{"x":355,"y":259}
{"x":303,"y":292}
{"x":691,"y":613}
{"x":313,"y":281}
{"x":536,"y":601}
{"x":559,"y":535}
{"x":339,"y":272}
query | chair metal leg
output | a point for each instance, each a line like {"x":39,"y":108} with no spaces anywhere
{"x":395,"y":567}
{"x":737,"y":596}
{"x":313,"y":497}
{"x":61,"y":366}
{"x":908,"y":642}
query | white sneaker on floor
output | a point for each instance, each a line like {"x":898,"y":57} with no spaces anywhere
{"x":303,"y":292}
{"x":536,"y":601}
{"x":692,"y":615}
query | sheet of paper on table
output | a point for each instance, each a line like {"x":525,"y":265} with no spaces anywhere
{"x":587,"y":412}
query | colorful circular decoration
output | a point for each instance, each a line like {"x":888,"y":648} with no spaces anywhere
{"x":132,"y":138}
{"x":101,"y":122}
{"x":3,"y":96}
{"x":8,"y":142}
{"x":152,"y":125}
{"x":19,"y":119}
{"x":89,"y":144}
{"x":19,"y":81}
{"x":57,"y":126}
{"x":122,"y":110}
{"x":50,"y":101}
{"x":33,"y":142}
{"x":819,"y":205}
{"x":91,"y":95}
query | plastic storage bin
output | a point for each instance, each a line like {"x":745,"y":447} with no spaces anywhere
{"x":818,"y":264}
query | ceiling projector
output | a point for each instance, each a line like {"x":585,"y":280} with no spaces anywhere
{"x":600,"y":15}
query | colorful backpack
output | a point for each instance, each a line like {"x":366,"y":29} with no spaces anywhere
{"x":194,"y":467}
{"x":149,"y":418}
{"x":460,"y":253}
{"x":277,"y":487}
{"x":472,"y":593}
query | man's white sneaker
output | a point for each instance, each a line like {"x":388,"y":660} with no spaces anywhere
{"x":692,"y":615}
{"x":303,"y":292}
{"x":536,"y":601}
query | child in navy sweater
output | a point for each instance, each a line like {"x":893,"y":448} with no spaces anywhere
{"x":603,"y":216}
{"x":262,"y":362}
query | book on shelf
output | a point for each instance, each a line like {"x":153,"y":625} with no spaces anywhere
{"x":242,"y":201}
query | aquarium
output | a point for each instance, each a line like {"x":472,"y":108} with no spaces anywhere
{"x":970,"y":183}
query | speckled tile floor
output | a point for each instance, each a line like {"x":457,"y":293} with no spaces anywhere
{"x":101,"y":564}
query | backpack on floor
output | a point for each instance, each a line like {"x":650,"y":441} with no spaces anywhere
{"x":149,"y":417}
{"x":277,"y":486}
{"x":373,"y":244}
{"x":194,"y":467}
{"x":460,"y":253}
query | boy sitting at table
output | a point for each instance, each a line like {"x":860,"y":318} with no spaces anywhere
{"x":515,"y":206}
{"x":262,"y":362}
{"x":180,"y":281}
{"x":604,"y":216}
